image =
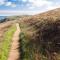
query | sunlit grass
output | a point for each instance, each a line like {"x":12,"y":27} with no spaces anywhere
{"x":6,"y":43}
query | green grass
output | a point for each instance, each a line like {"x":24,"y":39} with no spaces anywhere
{"x":26,"y":48}
{"x":6,"y":43}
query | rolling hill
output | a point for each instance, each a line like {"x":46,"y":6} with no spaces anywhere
{"x":42,"y":34}
{"x":39,"y":37}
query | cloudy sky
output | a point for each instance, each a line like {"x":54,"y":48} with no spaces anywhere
{"x":19,"y":7}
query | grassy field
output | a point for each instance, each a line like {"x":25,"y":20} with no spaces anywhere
{"x":5,"y":46}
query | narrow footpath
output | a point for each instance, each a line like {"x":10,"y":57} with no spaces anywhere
{"x":14,"y":51}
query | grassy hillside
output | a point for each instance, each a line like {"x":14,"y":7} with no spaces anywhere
{"x":40,"y":37}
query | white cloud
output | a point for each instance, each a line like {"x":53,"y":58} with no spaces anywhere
{"x":43,"y":5}
{"x":8,"y":3}
{"x":35,"y":6}
{"x":53,"y":6}
{"x":14,"y":13}
{"x":39,"y":3}
{"x":13,"y":5}
{"x":24,"y":0}
{"x":2,"y":2}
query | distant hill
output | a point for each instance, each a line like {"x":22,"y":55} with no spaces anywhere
{"x":11,"y":18}
{"x":2,"y":17}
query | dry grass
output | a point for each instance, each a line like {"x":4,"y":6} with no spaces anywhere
{"x":43,"y":32}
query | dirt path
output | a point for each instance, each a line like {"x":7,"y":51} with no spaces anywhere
{"x":14,"y":51}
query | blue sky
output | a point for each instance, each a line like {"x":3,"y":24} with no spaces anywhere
{"x":20,"y":7}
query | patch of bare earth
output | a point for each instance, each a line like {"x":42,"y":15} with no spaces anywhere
{"x":14,"y":51}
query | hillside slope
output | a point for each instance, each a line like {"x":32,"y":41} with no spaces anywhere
{"x":42,"y":35}
{"x":52,"y":13}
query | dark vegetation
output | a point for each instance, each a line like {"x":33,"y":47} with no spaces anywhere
{"x":2,"y":20}
{"x":7,"y":19}
{"x":40,"y":37}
